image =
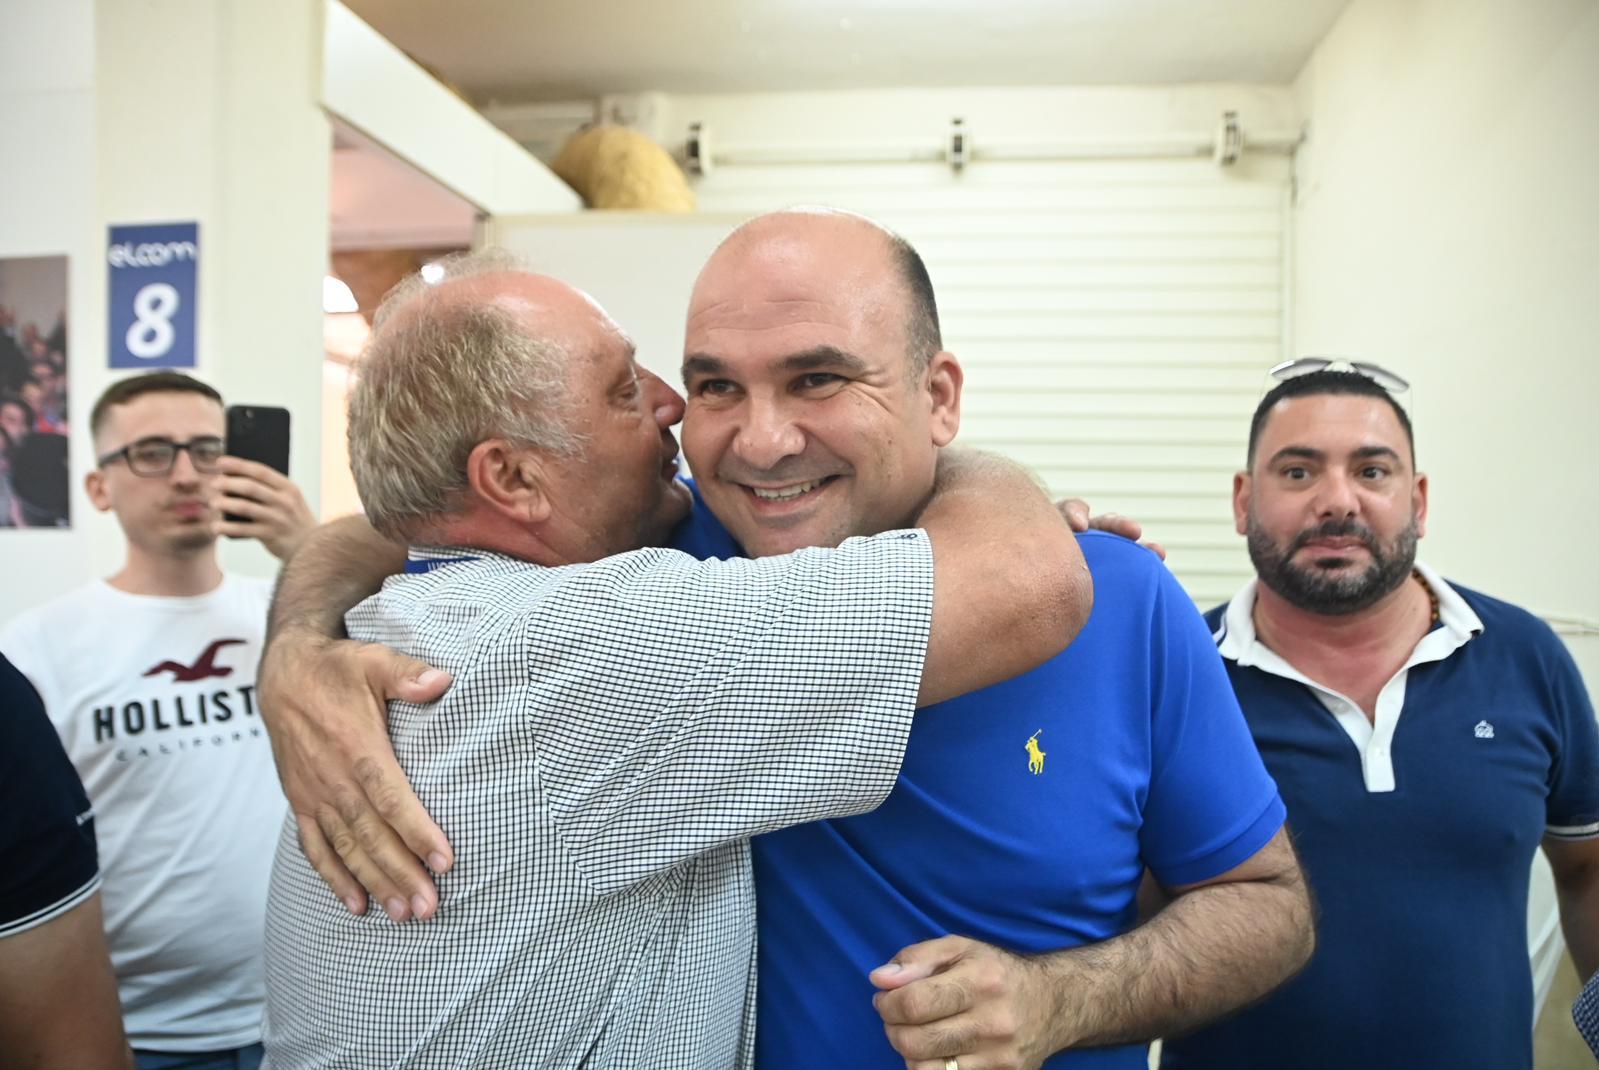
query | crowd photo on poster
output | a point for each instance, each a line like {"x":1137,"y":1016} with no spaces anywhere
{"x":34,"y":490}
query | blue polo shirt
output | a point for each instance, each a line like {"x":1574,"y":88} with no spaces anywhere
{"x":1416,"y":833}
{"x":1142,"y":759}
{"x":700,"y":534}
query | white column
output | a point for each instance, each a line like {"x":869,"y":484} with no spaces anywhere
{"x":209,"y":110}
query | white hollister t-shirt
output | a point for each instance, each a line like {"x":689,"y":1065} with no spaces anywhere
{"x":154,"y":699}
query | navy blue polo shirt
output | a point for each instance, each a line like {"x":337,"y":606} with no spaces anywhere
{"x":1417,"y":834}
{"x":47,"y":834}
{"x":1024,"y":816}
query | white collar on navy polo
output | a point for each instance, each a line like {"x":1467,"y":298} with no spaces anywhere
{"x":1236,"y":641}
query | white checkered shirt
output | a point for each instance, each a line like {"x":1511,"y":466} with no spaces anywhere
{"x":614,"y":733}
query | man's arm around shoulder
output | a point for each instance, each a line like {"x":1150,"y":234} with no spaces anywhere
{"x":360,"y":825}
{"x":1010,"y":592}
{"x":1010,"y":588}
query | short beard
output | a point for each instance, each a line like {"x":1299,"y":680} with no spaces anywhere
{"x":1316,"y":591}
{"x":191,"y":542}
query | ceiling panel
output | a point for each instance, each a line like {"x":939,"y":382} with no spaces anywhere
{"x":511,"y":51}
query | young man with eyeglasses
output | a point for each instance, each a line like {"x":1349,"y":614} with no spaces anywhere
{"x":1426,"y":738}
{"x":149,"y":677}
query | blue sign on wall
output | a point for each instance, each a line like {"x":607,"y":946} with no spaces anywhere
{"x":154,"y":270}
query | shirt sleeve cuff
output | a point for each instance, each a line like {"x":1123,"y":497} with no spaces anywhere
{"x":13,"y":926}
{"x":1233,"y":853}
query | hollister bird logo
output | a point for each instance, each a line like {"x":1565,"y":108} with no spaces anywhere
{"x":203,"y":668}
{"x":1035,"y":757}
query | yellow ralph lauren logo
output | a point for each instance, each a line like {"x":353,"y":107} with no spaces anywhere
{"x":1035,"y":757}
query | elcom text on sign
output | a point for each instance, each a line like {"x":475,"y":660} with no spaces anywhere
{"x":153,"y":286}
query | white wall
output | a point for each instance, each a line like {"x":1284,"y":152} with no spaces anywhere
{"x":47,"y":203}
{"x":227,"y":130}
{"x":1447,"y":226}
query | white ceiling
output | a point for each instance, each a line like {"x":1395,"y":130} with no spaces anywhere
{"x":512,"y":51}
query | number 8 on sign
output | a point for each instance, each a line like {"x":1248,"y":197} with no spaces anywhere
{"x":151,"y":334}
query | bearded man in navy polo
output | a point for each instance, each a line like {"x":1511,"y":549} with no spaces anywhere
{"x":1426,"y":739}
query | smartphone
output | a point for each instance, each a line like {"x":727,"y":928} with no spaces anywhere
{"x":258,"y":433}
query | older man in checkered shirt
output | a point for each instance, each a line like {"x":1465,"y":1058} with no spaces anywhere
{"x":617,"y":728}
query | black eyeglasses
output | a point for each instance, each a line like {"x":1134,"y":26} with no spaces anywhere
{"x":156,"y":456}
{"x":1292,"y":369}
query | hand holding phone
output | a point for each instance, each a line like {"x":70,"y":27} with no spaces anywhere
{"x":258,"y":499}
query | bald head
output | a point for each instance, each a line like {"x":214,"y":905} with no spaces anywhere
{"x":828,"y":241}
{"x":818,"y":392}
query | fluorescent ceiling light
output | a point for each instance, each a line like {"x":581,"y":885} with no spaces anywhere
{"x":432,"y":273}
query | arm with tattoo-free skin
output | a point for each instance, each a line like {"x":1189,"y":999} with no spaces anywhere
{"x":58,"y":996}
{"x":1219,"y":946}
{"x":1009,"y":581}
{"x":345,"y":561}
{"x":339,"y":773}
{"x":999,"y":608}
{"x":1576,"y":868}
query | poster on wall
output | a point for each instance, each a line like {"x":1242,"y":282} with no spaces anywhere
{"x":154,"y":269}
{"x":34,"y":488}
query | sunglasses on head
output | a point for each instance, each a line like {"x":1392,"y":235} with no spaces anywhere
{"x":1292,"y":369}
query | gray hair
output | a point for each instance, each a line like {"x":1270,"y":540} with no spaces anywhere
{"x":438,"y":376}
